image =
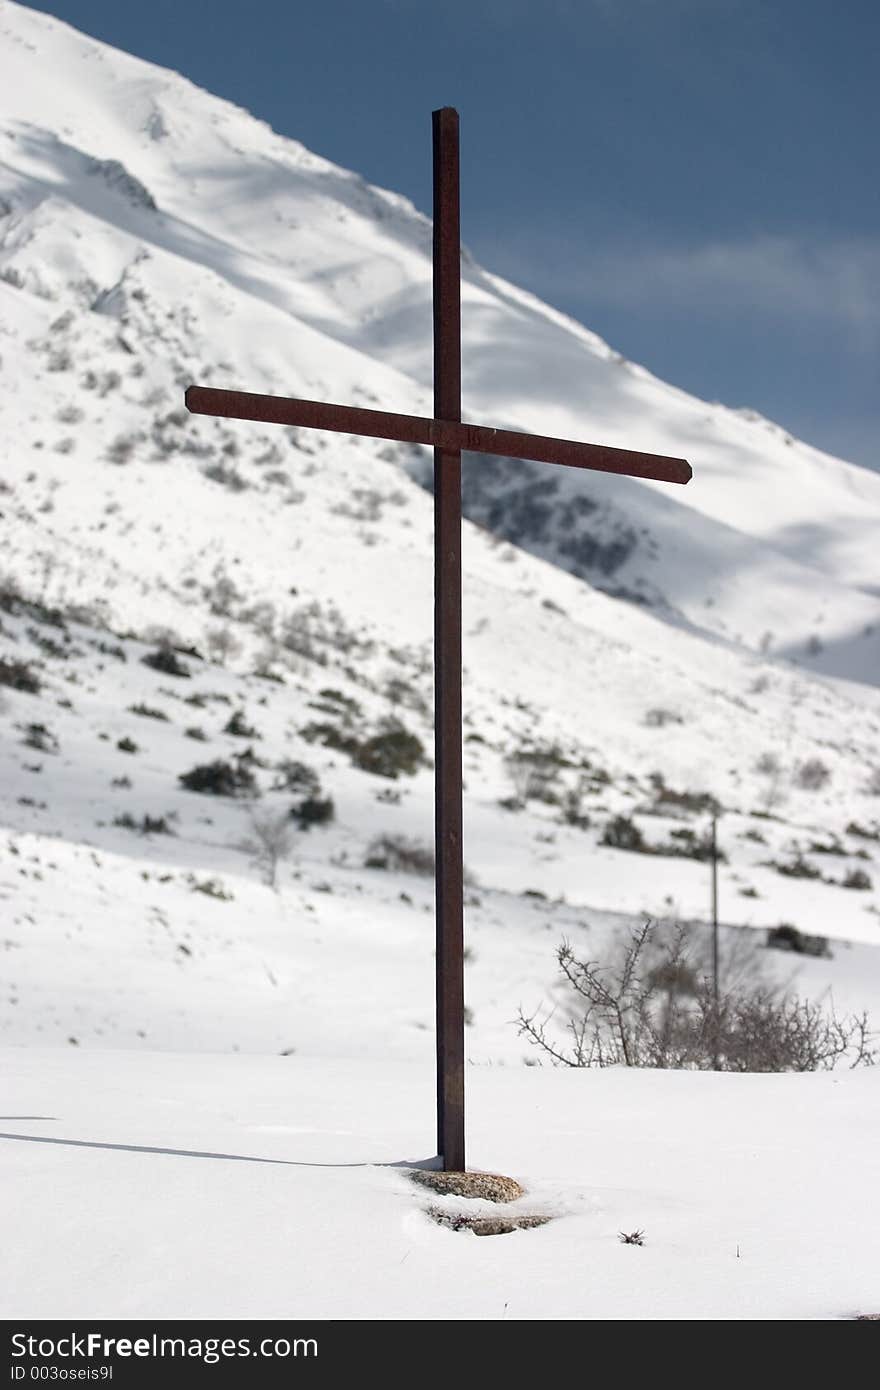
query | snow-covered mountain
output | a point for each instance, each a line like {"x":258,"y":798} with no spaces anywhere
{"x":654,"y":645}
{"x":137,"y":207}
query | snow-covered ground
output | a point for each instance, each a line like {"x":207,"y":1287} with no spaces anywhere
{"x":656,"y":646}
{"x":223,"y":1187}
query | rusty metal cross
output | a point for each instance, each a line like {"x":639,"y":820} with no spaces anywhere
{"x":448,"y":436}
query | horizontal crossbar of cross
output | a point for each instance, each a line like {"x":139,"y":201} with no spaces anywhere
{"x":449,"y":435}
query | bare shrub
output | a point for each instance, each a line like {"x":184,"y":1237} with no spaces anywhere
{"x":630,"y":1012}
{"x":121,"y":449}
{"x":698,"y":803}
{"x":226,"y":476}
{"x":534,"y":771}
{"x":658,"y":717}
{"x":769,"y":766}
{"x":812,"y":775}
{"x":396,"y":852}
{"x":222,"y":593}
{"x":270,"y":843}
{"x":631,"y":1237}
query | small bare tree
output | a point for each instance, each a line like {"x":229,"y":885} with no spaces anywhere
{"x":533,"y":772}
{"x":222,"y":644}
{"x":769,"y":766}
{"x":270,"y":843}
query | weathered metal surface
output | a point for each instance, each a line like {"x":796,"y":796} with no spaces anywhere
{"x":447,"y":648}
{"x":448,"y":435}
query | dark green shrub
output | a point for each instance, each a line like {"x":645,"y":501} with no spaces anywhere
{"x":313,"y":810}
{"x":293,"y":776}
{"x":684,"y":843}
{"x":48,"y":646}
{"x":862,"y":831}
{"x":147,"y":712}
{"x":250,"y":759}
{"x":239,"y":727}
{"x":786,"y":937}
{"x":329,"y":736}
{"x":392,"y":753}
{"x":798,"y":867}
{"x":148,"y":825}
{"x":857,"y":878}
{"x":19,"y":676}
{"x":826,"y":847}
{"x":335,"y":702}
{"x":166,"y":660}
{"x":127,"y":745}
{"x":110,"y":649}
{"x":622,"y":833}
{"x":39,"y":737}
{"x":220,"y":778}
{"x":212,"y":888}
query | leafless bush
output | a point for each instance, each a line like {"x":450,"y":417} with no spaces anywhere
{"x":122,"y":448}
{"x":270,"y":843}
{"x":534,"y":771}
{"x":632,"y":1237}
{"x":228,"y":477}
{"x":222,"y":593}
{"x":812,"y":775}
{"x":638,"y":1012}
{"x":659,"y":717}
{"x":769,"y":766}
{"x":396,"y":852}
{"x":222,"y":644}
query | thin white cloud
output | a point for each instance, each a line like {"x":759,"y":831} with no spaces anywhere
{"x":836,"y":283}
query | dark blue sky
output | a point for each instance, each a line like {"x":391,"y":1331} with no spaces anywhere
{"x":696,"y":180}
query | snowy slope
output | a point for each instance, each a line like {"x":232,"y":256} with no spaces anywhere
{"x":152,"y":235}
{"x":233,"y":255}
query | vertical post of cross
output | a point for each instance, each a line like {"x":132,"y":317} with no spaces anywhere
{"x":716,"y":993}
{"x":447,"y":649}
